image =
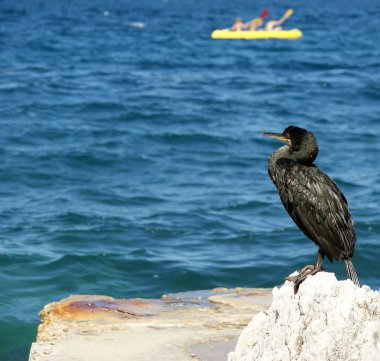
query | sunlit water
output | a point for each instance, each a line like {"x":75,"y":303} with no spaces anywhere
{"x":131,"y":158}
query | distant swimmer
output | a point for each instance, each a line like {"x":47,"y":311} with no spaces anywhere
{"x":256,"y":23}
{"x":238,"y":25}
{"x":274,"y":25}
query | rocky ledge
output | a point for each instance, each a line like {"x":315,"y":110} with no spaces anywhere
{"x":202,"y":325}
{"x":326,"y":320}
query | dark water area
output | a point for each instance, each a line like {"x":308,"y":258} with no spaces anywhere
{"x":132,"y":163}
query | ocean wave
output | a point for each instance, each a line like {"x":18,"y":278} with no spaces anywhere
{"x":137,"y":24}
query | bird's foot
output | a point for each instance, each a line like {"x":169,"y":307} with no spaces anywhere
{"x":306,"y":271}
{"x":292,"y":278}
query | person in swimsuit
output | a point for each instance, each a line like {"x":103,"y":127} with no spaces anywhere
{"x":239,"y":25}
{"x":256,"y":23}
{"x":274,"y":25}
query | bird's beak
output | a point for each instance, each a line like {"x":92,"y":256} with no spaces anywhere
{"x":277,"y":136}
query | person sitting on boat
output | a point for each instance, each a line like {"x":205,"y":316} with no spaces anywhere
{"x":274,"y":25}
{"x":256,"y":23}
{"x":239,"y":25}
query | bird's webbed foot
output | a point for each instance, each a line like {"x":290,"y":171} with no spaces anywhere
{"x":303,"y":272}
{"x":306,"y":271}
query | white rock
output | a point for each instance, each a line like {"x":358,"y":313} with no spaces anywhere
{"x":326,"y":320}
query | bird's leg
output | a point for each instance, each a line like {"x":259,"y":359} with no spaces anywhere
{"x":309,"y":270}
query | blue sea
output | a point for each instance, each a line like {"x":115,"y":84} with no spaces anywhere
{"x":132,"y":163}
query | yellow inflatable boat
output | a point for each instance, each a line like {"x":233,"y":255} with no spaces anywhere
{"x":258,"y":34}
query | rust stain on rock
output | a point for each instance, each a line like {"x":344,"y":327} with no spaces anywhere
{"x":202,"y":308}
{"x":90,"y":307}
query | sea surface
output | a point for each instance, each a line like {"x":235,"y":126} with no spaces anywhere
{"x":131,"y":160}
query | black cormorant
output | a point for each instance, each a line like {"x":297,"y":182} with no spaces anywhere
{"x":313,"y":200}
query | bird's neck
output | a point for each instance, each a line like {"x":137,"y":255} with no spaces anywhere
{"x":305,"y":155}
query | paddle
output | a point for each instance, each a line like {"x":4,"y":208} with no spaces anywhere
{"x":264,"y":14}
{"x":288,"y":14}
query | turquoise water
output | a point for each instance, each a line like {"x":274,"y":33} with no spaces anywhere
{"x":131,"y":158}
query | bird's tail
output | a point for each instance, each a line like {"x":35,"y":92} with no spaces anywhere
{"x":351,"y":273}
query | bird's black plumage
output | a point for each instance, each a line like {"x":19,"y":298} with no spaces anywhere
{"x":312,"y":199}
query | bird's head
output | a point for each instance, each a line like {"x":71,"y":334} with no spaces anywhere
{"x":299,"y":140}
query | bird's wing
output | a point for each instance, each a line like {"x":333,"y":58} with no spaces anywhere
{"x":317,"y":206}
